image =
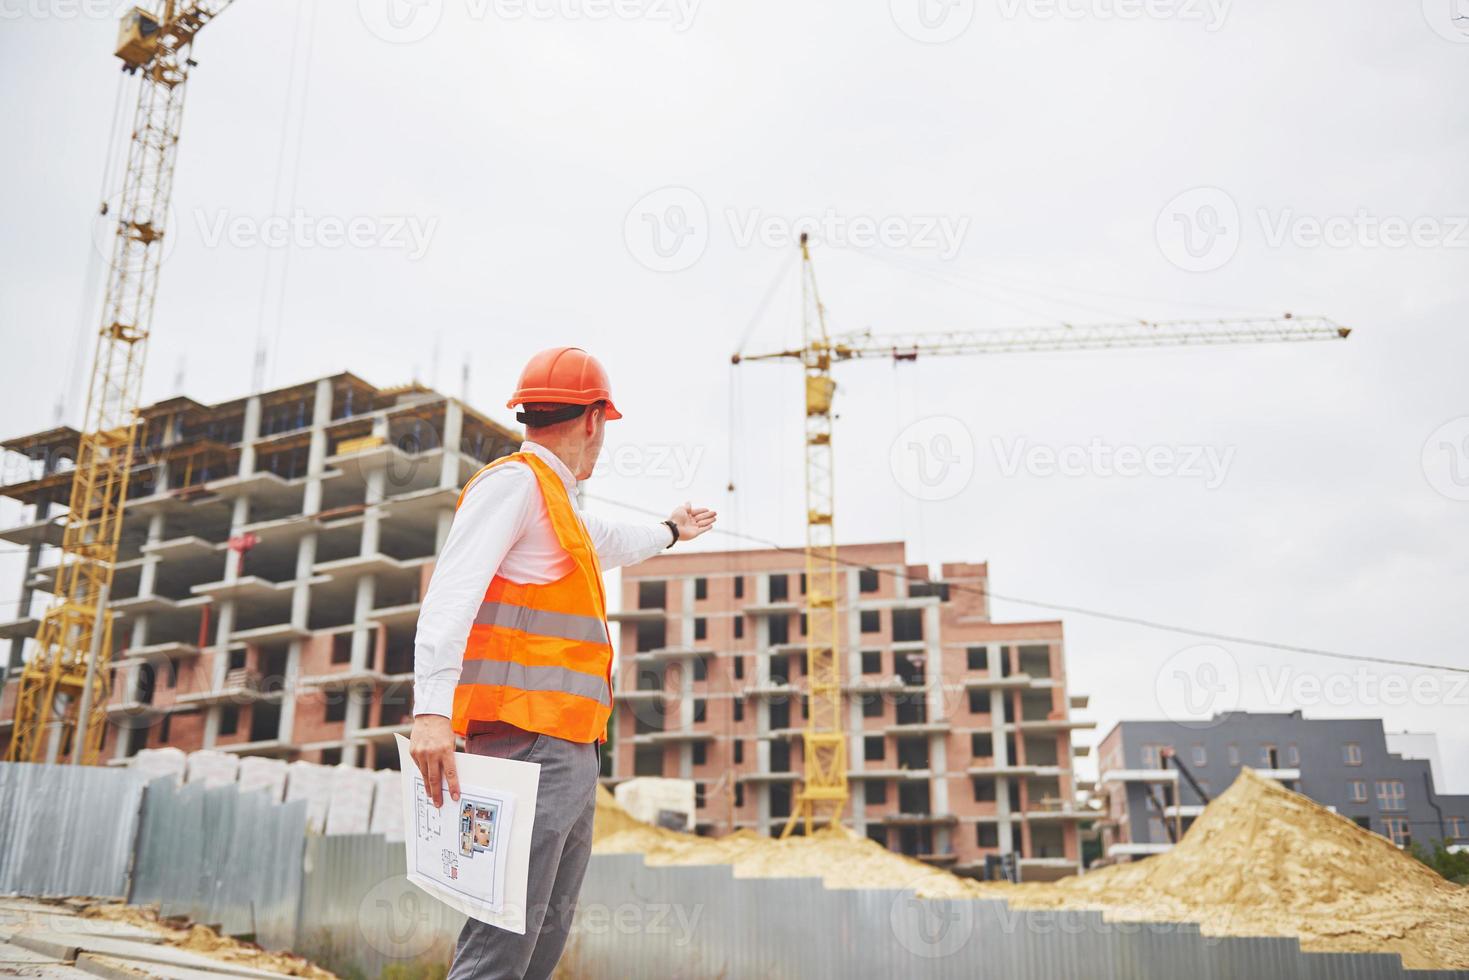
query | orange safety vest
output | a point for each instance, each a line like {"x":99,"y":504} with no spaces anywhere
{"x":539,"y":656}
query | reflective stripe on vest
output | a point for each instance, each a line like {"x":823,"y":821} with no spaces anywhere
{"x":539,"y":656}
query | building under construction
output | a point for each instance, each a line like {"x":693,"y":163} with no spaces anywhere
{"x":273,"y":553}
{"x":959,"y":728}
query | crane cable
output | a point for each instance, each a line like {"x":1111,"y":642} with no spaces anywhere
{"x":1081,"y":610}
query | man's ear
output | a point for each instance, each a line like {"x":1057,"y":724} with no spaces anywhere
{"x":592,"y":415}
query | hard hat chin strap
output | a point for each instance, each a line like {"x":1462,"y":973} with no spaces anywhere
{"x":550,"y":416}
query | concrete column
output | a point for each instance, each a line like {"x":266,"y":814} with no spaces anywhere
{"x":441,"y":528}
{"x":321,"y":414}
{"x":856,"y":750}
{"x":1002,"y":753}
{"x":249,"y":433}
{"x":362,"y":634}
{"x":686,"y":680}
{"x":452,"y":434}
{"x":288,"y":685}
{"x":149,"y":572}
{"x":938,"y":743}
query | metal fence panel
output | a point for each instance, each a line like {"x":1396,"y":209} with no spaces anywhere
{"x":66,"y":830}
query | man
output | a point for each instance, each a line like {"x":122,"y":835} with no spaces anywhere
{"x":513,"y":652}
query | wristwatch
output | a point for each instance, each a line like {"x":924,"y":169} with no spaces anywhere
{"x":674,"y":528}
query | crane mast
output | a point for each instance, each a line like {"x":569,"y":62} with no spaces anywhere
{"x":822,"y":796}
{"x":61,"y":707}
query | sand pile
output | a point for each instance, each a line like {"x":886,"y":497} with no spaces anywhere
{"x":1261,"y":860}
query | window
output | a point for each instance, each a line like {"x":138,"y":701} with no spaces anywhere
{"x":651,"y":636}
{"x":871,"y":620}
{"x":1357,"y":790}
{"x":873,"y":748}
{"x":739,"y":668}
{"x":981,"y":745}
{"x":336,"y":707}
{"x":701,"y":753}
{"x":1351,"y":754}
{"x":803,"y":583}
{"x":867,"y":580}
{"x":331,"y":757}
{"x":1454,"y":825}
{"x":701,"y":709}
{"x":872,"y":661}
{"x":698,"y":795}
{"x":739,"y":709}
{"x":978,"y":658}
{"x":804,"y":629}
{"x":1201,"y":757}
{"x":1390,"y":795}
{"x":739,"y":792}
{"x":342,"y":648}
{"x":1293,"y":754}
{"x":918,"y":590}
{"x":907,"y":625}
{"x":701,"y":628}
{"x":652,"y":595}
{"x":780,"y":630}
{"x":701,"y":588}
{"x":739,"y":628}
{"x":1154,"y":755}
{"x":1233,"y":754}
{"x":701,"y":668}
{"x":1397,"y":831}
{"x":877,"y":792}
{"x":987,"y":834}
{"x":237,"y":658}
{"x":1269,"y":757}
{"x":229,"y":719}
{"x":872,"y":706}
{"x":163,"y":729}
{"x":979,"y":702}
{"x":739,"y":754}
{"x":780,"y":588}
{"x":173,"y":673}
{"x":739,"y":587}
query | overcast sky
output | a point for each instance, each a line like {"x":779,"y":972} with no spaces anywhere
{"x":472,"y":180}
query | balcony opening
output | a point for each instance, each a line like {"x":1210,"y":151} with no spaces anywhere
{"x":652,"y":595}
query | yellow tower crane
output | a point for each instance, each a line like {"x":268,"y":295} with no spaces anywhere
{"x":823,"y":792}
{"x":61,"y":710}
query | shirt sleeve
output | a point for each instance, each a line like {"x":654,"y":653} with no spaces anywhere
{"x":493,"y":516}
{"x":620,"y":544}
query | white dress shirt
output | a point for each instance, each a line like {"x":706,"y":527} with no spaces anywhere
{"x":503,"y":526}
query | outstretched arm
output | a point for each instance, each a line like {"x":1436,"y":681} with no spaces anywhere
{"x":620,"y":544}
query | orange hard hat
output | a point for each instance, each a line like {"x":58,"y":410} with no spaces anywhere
{"x":564,"y":376}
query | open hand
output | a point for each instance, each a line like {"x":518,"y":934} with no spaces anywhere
{"x":692,"y":522}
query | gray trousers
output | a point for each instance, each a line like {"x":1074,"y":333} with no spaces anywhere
{"x":561,"y":844}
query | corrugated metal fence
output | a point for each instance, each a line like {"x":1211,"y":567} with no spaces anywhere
{"x":243,"y":863}
{"x":66,"y":830}
{"x":220,"y":856}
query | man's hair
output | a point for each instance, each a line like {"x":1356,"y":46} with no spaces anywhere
{"x":541,"y":416}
